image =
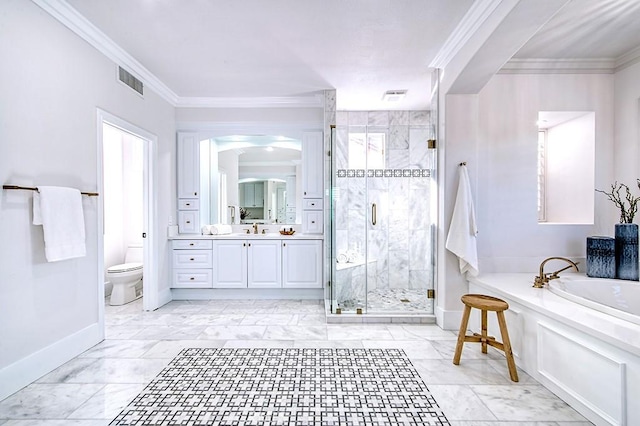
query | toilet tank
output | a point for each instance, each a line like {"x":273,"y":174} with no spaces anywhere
{"x":134,"y":253}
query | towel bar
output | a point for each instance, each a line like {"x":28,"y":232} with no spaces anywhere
{"x":28,"y":188}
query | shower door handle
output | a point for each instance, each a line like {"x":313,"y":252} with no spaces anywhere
{"x":374,"y":214}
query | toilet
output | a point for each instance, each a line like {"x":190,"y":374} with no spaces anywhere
{"x":127,"y":277}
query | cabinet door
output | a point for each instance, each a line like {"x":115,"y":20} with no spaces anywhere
{"x":229,"y":264}
{"x":312,"y":222}
{"x":312,"y":161}
{"x":189,"y":222}
{"x":264,"y":263}
{"x":258,"y":191}
{"x":302,"y":263}
{"x":188,"y":165}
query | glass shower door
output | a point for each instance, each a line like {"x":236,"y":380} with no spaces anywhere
{"x":383,"y":220}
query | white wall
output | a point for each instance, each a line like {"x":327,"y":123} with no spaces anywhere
{"x":627,"y":127}
{"x":496,"y":133}
{"x":52,"y":83}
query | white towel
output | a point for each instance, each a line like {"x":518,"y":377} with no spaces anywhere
{"x":461,"y":239}
{"x":206,"y":229}
{"x":59,"y":211}
{"x":220,"y":229}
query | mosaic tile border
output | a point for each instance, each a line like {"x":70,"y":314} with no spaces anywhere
{"x":360,"y":173}
{"x":285,"y":386}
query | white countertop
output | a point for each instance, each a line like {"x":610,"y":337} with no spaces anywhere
{"x":518,"y":287}
{"x":243,"y":236}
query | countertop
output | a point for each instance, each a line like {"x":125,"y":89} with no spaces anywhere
{"x":243,"y":236}
{"x":518,"y":288}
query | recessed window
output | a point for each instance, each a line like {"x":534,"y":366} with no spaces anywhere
{"x":566,"y":167}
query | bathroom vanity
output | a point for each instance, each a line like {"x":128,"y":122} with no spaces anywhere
{"x":246,"y":265}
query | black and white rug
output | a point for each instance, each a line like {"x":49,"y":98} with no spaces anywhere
{"x":288,"y":386}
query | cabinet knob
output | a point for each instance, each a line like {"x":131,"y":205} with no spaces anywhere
{"x":191,"y":259}
{"x":249,"y":244}
{"x":195,"y":193}
{"x":192,"y":279}
{"x":284,"y":244}
{"x":191,"y":244}
{"x":188,"y":204}
{"x":313,"y":221}
{"x":188,"y":221}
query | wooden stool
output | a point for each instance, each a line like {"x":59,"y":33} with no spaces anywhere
{"x":486,"y":303}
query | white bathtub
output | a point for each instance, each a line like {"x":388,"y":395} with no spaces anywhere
{"x":620,"y":298}
{"x":585,"y":352}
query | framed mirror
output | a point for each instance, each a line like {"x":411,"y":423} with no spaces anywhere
{"x":251,"y":179}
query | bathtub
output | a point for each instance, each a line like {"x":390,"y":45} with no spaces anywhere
{"x":620,"y":298}
{"x":586,"y":352}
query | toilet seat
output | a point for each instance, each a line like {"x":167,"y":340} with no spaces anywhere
{"x":124,"y":267}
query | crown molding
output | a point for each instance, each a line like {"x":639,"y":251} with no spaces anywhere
{"x":559,"y":66}
{"x":310,"y":101}
{"x":630,"y":58}
{"x":72,"y":19}
{"x":477,"y":14}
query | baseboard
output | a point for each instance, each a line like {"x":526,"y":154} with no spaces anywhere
{"x":246,"y":293}
{"x":29,"y":369}
{"x":448,"y":320}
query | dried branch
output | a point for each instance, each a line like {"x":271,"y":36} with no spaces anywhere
{"x":628,"y":206}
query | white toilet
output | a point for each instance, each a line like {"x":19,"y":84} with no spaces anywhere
{"x":127,"y":277}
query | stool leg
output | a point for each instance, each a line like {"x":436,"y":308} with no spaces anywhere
{"x":507,"y":346}
{"x":484,"y":331}
{"x":461,"y":334}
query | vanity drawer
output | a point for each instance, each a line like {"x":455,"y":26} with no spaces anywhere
{"x":312,"y":204}
{"x":192,"y":259}
{"x":188,"y":204}
{"x":192,"y":244}
{"x":189,"y":222}
{"x":196,"y":278}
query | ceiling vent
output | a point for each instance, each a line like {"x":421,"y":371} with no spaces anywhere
{"x":127,"y":78}
{"x":394,"y":95}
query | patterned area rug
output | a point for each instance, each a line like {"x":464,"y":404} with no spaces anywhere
{"x":267,"y":387}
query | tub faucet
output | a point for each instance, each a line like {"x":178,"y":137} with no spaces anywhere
{"x":255,"y":228}
{"x":543,"y":278}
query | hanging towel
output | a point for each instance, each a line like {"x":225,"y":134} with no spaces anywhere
{"x":59,"y":211}
{"x":461,"y":239}
{"x":220,"y":229}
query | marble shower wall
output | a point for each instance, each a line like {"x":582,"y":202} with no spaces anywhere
{"x":399,"y":248}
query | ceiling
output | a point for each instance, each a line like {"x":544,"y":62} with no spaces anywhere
{"x":362,"y":48}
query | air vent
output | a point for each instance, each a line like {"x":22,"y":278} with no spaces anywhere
{"x":394,"y":95}
{"x":127,"y":78}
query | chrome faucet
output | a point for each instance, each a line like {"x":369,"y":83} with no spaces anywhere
{"x":255,"y":228}
{"x":543,"y":278}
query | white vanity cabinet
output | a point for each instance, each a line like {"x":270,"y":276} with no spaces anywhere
{"x":312,"y":161}
{"x":264,"y":258}
{"x":188,"y":183}
{"x":252,"y":194}
{"x":312,"y":183}
{"x":230,"y":264}
{"x":192,"y":264}
{"x":301,"y":263}
{"x":254,"y":263}
{"x":247,"y":264}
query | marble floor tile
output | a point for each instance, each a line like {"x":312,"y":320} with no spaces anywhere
{"x":228,"y":332}
{"x":525,"y":403}
{"x":47,"y":401}
{"x":460,"y":403}
{"x":107,"y":402}
{"x":90,"y":389}
{"x":358,"y":332}
{"x":106,"y":370}
{"x":296,"y":332}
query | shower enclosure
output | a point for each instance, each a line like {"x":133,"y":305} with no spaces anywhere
{"x":383,"y":213}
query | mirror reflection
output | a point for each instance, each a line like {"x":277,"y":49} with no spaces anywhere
{"x":254,"y":179}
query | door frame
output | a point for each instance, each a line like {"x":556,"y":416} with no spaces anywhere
{"x":150,"y":287}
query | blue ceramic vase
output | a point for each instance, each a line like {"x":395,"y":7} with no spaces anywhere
{"x":601,"y":257}
{"x":627,"y":251}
